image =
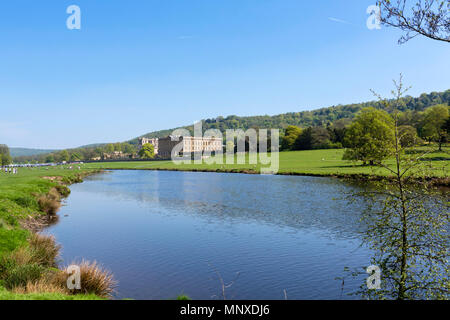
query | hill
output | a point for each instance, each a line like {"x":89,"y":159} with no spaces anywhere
{"x":92,"y":145}
{"x":25,"y":152}
{"x":315,"y":118}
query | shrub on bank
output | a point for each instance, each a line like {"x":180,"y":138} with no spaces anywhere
{"x":44,"y":249}
{"x":20,"y":275}
{"x":28,"y":264}
{"x":63,"y":190}
{"x":30,"y":269}
{"x":50,"y":203}
{"x":40,"y":286}
{"x":94,"y":280}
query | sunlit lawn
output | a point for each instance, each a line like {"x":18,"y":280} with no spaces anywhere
{"x":314,"y":162}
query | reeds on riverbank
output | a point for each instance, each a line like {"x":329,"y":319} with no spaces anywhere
{"x":50,"y":202}
{"x":32,"y":269}
{"x":28,"y":260}
{"x":94,"y":279}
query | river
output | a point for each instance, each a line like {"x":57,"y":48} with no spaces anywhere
{"x":164,"y":233}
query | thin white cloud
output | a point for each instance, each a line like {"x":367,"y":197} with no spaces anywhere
{"x":338,"y":20}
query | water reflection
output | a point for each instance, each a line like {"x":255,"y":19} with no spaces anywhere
{"x":285,"y":201}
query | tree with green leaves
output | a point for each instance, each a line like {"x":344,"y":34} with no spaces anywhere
{"x":446,"y":128}
{"x":407,"y":229}
{"x":314,"y":138}
{"x":433,"y":128}
{"x":49,"y":159}
{"x":63,"y":156}
{"x":320,"y":138}
{"x":109,"y":148}
{"x":147,"y":151}
{"x":370,"y":138}
{"x":291,"y":134}
{"x":408,"y":136}
{"x":128,"y":148}
{"x":5,"y":156}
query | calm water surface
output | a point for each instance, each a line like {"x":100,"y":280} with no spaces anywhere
{"x":167,"y":233}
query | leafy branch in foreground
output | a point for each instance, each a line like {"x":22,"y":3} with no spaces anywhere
{"x":429,"y":18}
{"x":406,"y":228}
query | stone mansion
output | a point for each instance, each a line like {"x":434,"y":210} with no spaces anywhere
{"x":163,"y":146}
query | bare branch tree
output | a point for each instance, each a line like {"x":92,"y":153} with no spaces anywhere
{"x":430,"y":18}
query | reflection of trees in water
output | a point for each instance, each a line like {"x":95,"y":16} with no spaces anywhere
{"x":285,"y":201}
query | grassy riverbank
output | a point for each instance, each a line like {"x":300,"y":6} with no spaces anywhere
{"x":8,"y":295}
{"x":311,"y":162}
{"x":28,"y":261}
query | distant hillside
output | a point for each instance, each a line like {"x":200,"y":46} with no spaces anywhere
{"x":93,"y":145}
{"x":319,"y":117}
{"x":20,"y":152}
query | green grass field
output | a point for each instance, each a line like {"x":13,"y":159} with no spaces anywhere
{"x":312,"y":162}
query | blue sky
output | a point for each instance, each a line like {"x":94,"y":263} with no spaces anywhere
{"x":144,"y":65}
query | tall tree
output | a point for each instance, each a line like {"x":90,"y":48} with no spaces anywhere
{"x":408,"y":136}
{"x":446,"y":126}
{"x":407,"y":229}
{"x":429,"y":18}
{"x":63,"y":156}
{"x":49,"y":159}
{"x":304,"y":141}
{"x":433,"y":128}
{"x":320,"y":138}
{"x":290,"y":136}
{"x":5,"y":156}
{"x":370,"y":138}
{"x":109,"y":148}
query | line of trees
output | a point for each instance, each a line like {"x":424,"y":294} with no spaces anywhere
{"x":81,"y":154}
{"x":369,"y":137}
